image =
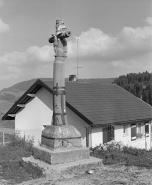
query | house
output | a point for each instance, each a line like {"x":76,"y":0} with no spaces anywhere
{"x":100,"y":112}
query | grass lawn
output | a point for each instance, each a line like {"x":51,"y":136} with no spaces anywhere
{"x":11,"y":167}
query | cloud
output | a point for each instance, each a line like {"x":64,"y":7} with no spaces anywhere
{"x":92,"y":43}
{"x":14,"y":58}
{"x":128,"y":51}
{"x":41,"y":54}
{"x":33,"y":63}
{"x":3,"y":26}
{"x":33,"y":56}
{"x":129,"y":43}
{"x":149,"y":20}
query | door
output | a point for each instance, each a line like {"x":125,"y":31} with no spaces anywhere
{"x":108,"y":133}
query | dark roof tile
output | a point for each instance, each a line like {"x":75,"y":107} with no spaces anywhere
{"x":105,"y":103}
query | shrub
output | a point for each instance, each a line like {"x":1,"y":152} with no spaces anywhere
{"x":11,"y":160}
{"x":18,"y":141}
{"x":127,"y":155}
{"x":134,"y":151}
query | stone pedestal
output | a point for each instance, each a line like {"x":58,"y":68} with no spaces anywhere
{"x":60,"y":144}
{"x":64,"y":136}
{"x":60,"y":155}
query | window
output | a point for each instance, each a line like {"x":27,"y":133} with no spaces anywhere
{"x":133,"y":132}
{"x":140,"y":132}
{"x":147,"y":129}
{"x":125,"y":129}
{"x":108,"y":133}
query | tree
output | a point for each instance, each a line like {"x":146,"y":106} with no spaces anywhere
{"x":139,"y":84}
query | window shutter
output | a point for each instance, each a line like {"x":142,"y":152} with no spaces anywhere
{"x":147,"y":130}
{"x":139,"y":128}
{"x":143,"y":129}
{"x":133,"y":132}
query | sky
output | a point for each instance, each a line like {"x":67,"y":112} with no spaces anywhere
{"x":115,"y":38}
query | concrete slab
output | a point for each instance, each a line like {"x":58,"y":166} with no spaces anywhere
{"x":60,"y":155}
{"x":72,"y":167}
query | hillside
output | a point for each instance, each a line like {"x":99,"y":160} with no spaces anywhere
{"x":9,"y":95}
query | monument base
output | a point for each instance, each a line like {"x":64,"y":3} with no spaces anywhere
{"x":60,"y":155}
{"x":64,"y":136}
{"x":54,"y":171}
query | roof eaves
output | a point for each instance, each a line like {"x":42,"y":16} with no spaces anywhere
{"x":45,"y":86}
{"x":123,"y":122}
{"x":30,"y":90}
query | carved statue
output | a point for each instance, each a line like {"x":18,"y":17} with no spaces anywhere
{"x":59,"y":134}
{"x":60,"y":48}
{"x":59,"y":39}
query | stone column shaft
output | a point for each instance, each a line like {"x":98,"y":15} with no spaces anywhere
{"x":59,"y":103}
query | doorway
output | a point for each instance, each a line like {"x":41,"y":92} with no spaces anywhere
{"x":108,"y":133}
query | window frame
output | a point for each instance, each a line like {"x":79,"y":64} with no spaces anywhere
{"x":146,"y":125}
{"x":133,"y":126}
{"x":125,"y":130}
{"x":140,"y":130}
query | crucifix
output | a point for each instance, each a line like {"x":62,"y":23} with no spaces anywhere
{"x":60,"y":141}
{"x":60,"y":48}
{"x":60,"y":134}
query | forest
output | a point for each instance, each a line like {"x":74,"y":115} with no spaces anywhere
{"x":139,"y":84}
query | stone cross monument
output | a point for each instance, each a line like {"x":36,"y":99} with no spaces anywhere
{"x":60,"y":134}
{"x":60,"y":48}
{"x":61,"y":142}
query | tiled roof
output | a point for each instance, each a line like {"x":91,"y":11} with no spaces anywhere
{"x":100,"y":104}
{"x":104,"y":104}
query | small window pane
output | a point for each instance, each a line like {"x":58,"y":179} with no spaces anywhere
{"x":125,"y":129}
{"x":147,"y":129}
{"x":133,"y":132}
{"x":139,"y":128}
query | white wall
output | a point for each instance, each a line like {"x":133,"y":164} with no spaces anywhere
{"x":38,"y":112}
{"x":97,"y":136}
{"x":126,"y":138}
{"x":78,"y":123}
{"x":119,"y":136}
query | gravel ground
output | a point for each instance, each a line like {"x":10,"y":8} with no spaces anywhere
{"x":105,"y":175}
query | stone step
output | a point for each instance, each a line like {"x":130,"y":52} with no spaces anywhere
{"x":66,"y":168}
{"x":60,"y":155}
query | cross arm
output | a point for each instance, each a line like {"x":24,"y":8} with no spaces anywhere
{"x":61,"y":36}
